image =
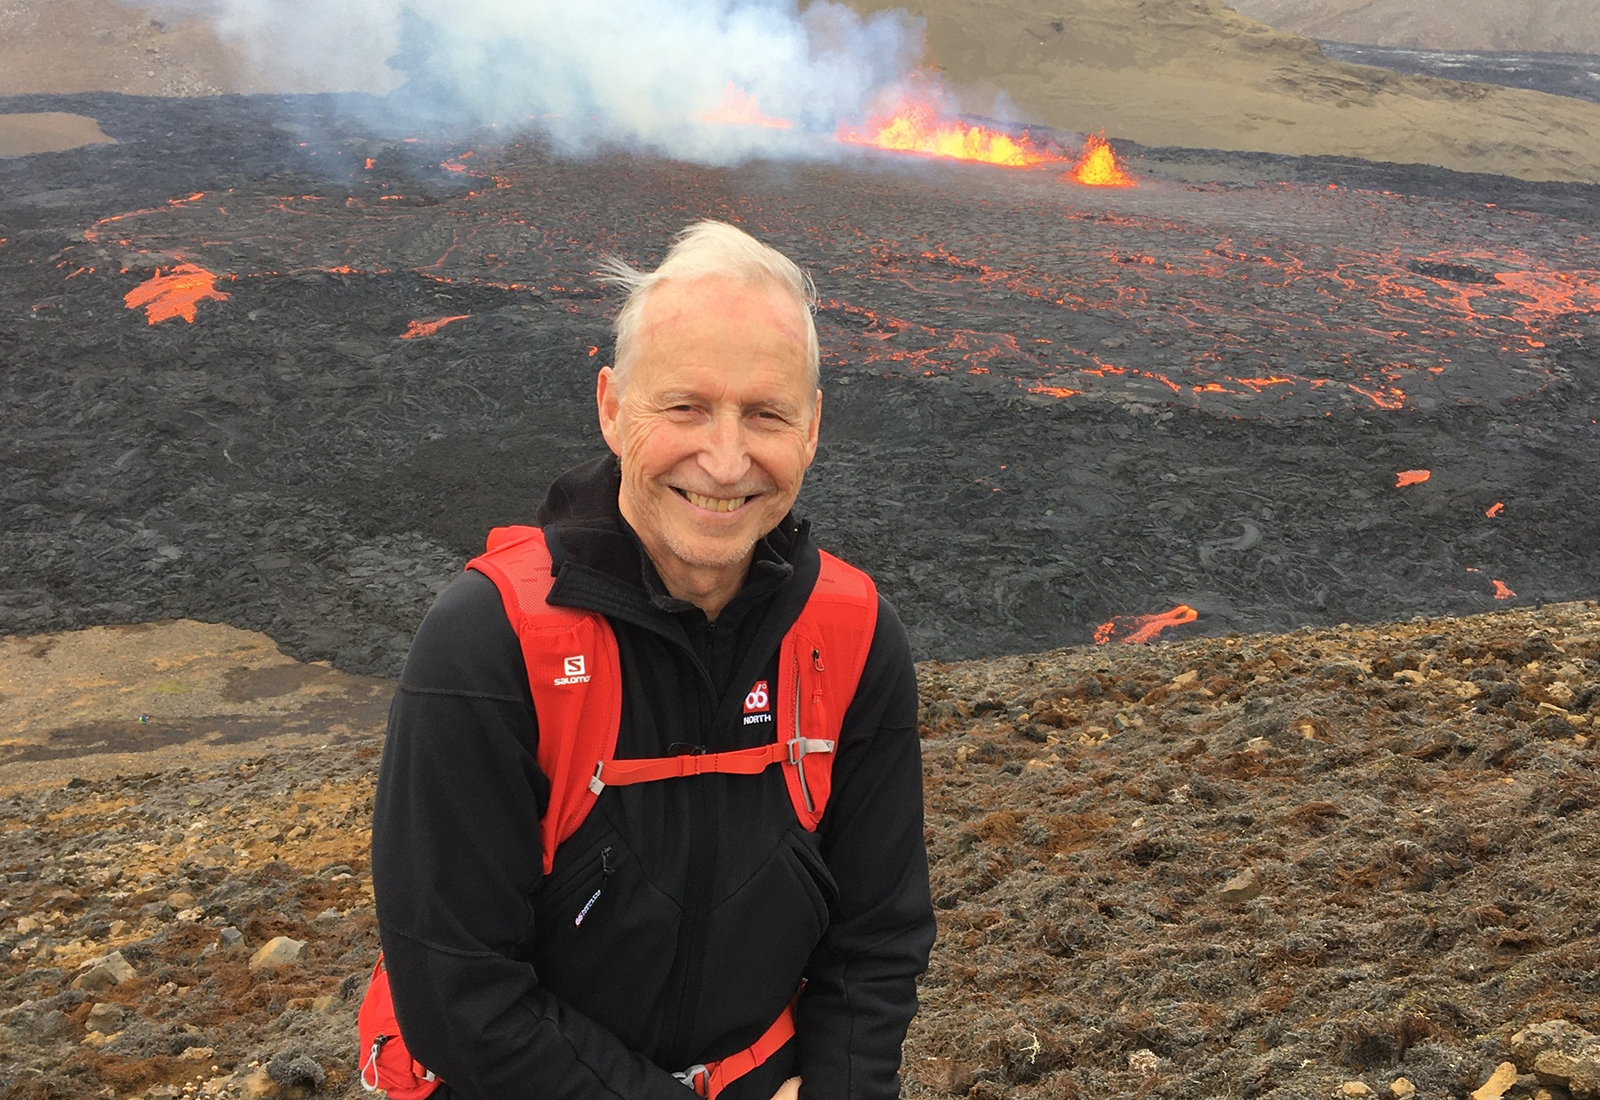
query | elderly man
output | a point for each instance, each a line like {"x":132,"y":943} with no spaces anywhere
{"x":650,"y":810}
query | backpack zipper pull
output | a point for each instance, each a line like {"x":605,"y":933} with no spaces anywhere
{"x":606,"y":871}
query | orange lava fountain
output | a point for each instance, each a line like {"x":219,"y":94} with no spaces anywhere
{"x":428,"y":328}
{"x":1098,"y":167}
{"x":918,"y":128}
{"x":738,"y":107}
{"x":174,"y":294}
{"x":1134,"y":629}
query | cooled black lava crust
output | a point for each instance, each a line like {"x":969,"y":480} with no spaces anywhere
{"x":1045,"y":406}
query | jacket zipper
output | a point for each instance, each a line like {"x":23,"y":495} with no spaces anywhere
{"x":800,"y":761}
{"x":606,"y":871}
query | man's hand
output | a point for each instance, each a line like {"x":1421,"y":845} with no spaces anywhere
{"x":789,"y":1090}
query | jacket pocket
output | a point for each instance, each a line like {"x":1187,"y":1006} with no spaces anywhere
{"x":760,"y":938}
{"x":578,"y":883}
{"x":597,"y":918}
{"x":813,"y":875}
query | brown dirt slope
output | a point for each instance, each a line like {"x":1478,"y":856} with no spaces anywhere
{"x":1242,"y":866}
{"x":1548,"y":26}
{"x":1196,"y":73}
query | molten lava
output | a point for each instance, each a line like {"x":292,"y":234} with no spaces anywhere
{"x":174,"y":294}
{"x":1502,"y":591}
{"x":428,"y":328}
{"x":1134,"y":629}
{"x":1495,"y":509}
{"x":1098,"y":167}
{"x":918,"y":128}
{"x":1411,"y":477}
{"x":738,"y":107}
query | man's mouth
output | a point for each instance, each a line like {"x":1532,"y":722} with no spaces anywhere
{"x":713,"y":504}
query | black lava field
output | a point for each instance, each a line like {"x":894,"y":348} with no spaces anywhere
{"x":1047,"y":406}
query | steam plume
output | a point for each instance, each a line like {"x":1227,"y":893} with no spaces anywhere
{"x":634,"y":72}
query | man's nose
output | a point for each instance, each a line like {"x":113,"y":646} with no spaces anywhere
{"x":725,"y":456}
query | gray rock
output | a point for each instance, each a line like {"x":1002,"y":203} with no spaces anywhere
{"x":104,"y":972}
{"x":105,"y":1017}
{"x":276,"y":952}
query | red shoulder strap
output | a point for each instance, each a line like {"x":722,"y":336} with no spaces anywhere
{"x":566,"y":651}
{"x":819,"y":669}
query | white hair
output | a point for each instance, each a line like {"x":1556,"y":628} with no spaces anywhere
{"x":710,"y":249}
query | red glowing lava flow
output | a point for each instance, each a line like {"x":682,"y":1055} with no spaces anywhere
{"x":428,"y":328}
{"x":919,"y":128}
{"x":1411,"y":477}
{"x":1134,"y":629}
{"x":1495,"y":509}
{"x":738,"y":107}
{"x":174,"y":294}
{"x":1502,"y":591}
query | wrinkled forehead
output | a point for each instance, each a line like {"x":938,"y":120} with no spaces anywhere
{"x":698,"y":308}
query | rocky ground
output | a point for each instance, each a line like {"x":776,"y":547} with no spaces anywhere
{"x":1256,"y":865}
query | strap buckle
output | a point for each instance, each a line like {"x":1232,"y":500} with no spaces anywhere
{"x":596,"y":784}
{"x":801,"y":747}
{"x":696,"y":1077}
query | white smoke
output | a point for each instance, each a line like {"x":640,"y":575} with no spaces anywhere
{"x":593,"y":72}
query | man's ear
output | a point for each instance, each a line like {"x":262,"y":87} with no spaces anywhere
{"x":813,"y":429}
{"x":608,"y":402}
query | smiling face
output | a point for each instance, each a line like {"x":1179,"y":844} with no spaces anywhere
{"x":715,"y":425}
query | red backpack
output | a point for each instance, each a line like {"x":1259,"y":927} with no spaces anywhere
{"x":575,"y":675}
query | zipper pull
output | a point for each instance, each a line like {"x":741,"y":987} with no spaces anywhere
{"x":606,"y":871}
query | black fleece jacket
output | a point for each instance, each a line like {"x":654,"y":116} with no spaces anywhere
{"x":680,"y":918}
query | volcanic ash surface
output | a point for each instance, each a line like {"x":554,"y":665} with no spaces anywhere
{"x":1266,"y":865}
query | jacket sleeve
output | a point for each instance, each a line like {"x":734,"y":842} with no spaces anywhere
{"x":860,"y":990}
{"x":455,"y":861}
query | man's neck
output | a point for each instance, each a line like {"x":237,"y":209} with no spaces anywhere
{"x":709,"y":589}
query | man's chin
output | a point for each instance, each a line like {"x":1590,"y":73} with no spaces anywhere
{"x":699,"y":552}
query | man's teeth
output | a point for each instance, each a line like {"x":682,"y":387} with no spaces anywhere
{"x":714,"y":504}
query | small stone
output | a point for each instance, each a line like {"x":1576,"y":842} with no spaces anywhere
{"x":104,"y":1016}
{"x":259,"y":1085}
{"x":1185,"y":678}
{"x":1503,"y":1077}
{"x":276,"y":952}
{"x":1241,"y":887}
{"x":1144,"y":1062}
{"x":1113,"y":342}
{"x":104,"y":972}
{"x":1402,"y":1088}
{"x":118,"y":927}
{"x":180,"y":899}
{"x":1354,"y":1088}
{"x":27,"y":925}
{"x":1409,"y":676}
{"x":327,"y":1003}
{"x":189,"y":916}
{"x":198,"y":1054}
{"x":230,"y":939}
